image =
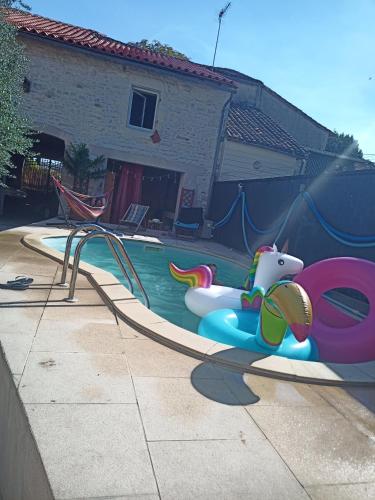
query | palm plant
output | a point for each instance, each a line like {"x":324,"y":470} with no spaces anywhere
{"x":80,"y":166}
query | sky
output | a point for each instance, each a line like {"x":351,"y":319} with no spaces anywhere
{"x":318,"y":54}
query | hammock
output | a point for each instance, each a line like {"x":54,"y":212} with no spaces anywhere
{"x":86,"y":206}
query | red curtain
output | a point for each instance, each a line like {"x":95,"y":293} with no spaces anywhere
{"x":128,"y":190}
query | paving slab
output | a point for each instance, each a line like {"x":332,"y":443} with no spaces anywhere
{"x":20,"y":265}
{"x":128,"y":332}
{"x":136,"y":312}
{"x":16,"y":347}
{"x":76,"y":378}
{"x":20,"y":318}
{"x":117,"y":292}
{"x":319,"y":445}
{"x":81,"y":282}
{"x":272,"y":392}
{"x":222,"y":470}
{"x":38,"y":291}
{"x":72,"y":336}
{"x":78,"y":312}
{"x":93,"y":450}
{"x":352,"y":405}
{"x":147,"y":358}
{"x":172,"y":409}
{"x":364,"y":395}
{"x":84,"y":296}
{"x":127,"y":497}
{"x":342,"y":492}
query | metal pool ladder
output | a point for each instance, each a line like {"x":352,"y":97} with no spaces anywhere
{"x":114,"y":244}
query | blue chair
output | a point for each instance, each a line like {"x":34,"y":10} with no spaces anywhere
{"x":189,"y":222}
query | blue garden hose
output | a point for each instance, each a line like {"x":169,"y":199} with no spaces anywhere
{"x":348,"y":239}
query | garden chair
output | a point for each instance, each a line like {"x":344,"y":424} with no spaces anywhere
{"x":133,"y":216}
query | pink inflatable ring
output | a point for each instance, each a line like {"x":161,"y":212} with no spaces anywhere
{"x":341,"y":339}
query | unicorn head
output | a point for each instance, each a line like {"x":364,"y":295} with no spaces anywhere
{"x":270,"y":265}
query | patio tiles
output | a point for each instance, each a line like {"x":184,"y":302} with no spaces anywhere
{"x":177,"y":335}
{"x":364,"y":491}
{"x":82,"y":281}
{"x":365,"y":395}
{"x":31,"y":297}
{"x":76,"y":378}
{"x":27,"y":261}
{"x":16,"y":347}
{"x":128,"y":332}
{"x":135,"y":311}
{"x":20,"y":318}
{"x":78,"y":312}
{"x":147,"y":358}
{"x":70,"y":336}
{"x":272,"y":392}
{"x":222,"y":470}
{"x":117,"y":292}
{"x":348,"y":403}
{"x":37,"y":292}
{"x":93,"y":450}
{"x":172,"y":409}
{"x":318,"y":444}
{"x":84,"y":297}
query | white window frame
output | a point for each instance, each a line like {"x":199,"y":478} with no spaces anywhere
{"x":147,"y":91}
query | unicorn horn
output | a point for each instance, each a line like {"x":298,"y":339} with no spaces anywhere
{"x":285,"y":246}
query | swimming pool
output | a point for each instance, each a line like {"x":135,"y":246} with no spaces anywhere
{"x":151,"y":263}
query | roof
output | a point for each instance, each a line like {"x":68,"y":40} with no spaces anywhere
{"x":237,"y":76}
{"x":323,"y":161}
{"x":92,"y":40}
{"x":251,"y":126}
{"x":233,"y":74}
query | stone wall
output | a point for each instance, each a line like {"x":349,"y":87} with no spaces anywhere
{"x":307,"y":132}
{"x":81,"y":97}
{"x":241,"y":161}
{"x":304,"y":129}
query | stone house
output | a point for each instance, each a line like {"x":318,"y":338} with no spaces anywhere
{"x":167,"y":128}
{"x":266,"y":136}
{"x":156,"y":119}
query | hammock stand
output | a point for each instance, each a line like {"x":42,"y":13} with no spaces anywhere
{"x":86,"y":206}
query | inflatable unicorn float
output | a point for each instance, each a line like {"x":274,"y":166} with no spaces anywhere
{"x":275,"y":316}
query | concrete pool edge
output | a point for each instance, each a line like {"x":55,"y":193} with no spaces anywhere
{"x":133,"y":312}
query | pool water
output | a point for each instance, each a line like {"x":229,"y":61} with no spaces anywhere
{"x":151,"y":263}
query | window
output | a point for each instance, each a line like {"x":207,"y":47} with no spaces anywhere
{"x":143,"y":107}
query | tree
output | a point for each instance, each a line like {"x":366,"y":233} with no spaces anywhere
{"x":78,"y":163}
{"x":160,"y":48}
{"x":344,"y":144}
{"x":14,"y":129}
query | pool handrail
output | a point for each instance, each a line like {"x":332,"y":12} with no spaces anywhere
{"x":68,"y":247}
{"x":90,"y":226}
{"x":112,"y":240}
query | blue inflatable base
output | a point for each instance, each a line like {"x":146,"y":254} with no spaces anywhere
{"x":237,"y":328}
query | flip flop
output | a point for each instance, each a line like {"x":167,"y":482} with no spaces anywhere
{"x":14,"y":286}
{"x":21,"y":279}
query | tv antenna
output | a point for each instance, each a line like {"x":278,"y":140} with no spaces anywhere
{"x":221,"y":15}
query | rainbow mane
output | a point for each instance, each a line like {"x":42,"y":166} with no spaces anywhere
{"x":200,"y":276}
{"x":249,"y":283}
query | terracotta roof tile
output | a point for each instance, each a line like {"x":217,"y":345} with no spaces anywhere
{"x":250,"y":126}
{"x":90,"y":39}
